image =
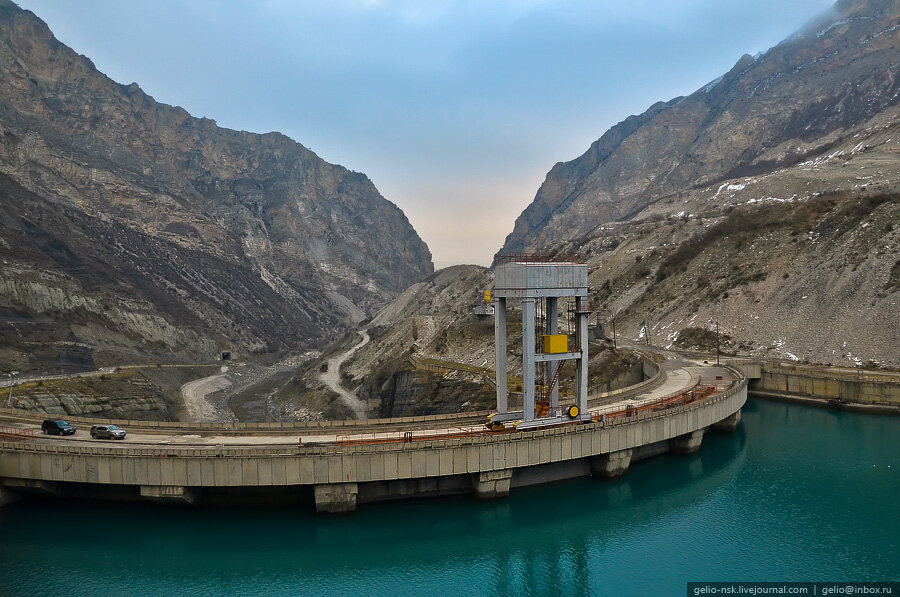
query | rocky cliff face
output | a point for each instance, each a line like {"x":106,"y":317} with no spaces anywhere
{"x":142,"y":394}
{"x":769,"y":201}
{"x":123,"y":214}
{"x":801,"y":263}
{"x":788,"y":105}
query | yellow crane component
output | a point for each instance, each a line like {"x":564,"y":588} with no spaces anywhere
{"x":556,"y":343}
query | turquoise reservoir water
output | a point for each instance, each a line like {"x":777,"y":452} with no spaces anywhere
{"x":795,"y":494}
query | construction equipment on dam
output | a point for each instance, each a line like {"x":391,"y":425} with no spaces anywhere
{"x":539,"y":283}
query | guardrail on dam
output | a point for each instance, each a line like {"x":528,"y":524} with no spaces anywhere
{"x":338,"y":475}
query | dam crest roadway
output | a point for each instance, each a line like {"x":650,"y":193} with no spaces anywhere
{"x":342,"y":463}
{"x":337,"y":465}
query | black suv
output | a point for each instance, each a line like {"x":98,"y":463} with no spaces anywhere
{"x":57,"y":427}
{"x":107,"y":432}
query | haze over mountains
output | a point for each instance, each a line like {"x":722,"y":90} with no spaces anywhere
{"x":131,"y":227}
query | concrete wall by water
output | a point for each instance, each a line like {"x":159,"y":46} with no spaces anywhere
{"x":343,"y":474}
{"x":822,"y":385}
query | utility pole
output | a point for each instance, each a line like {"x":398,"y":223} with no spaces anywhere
{"x":614,"y":334}
{"x":12,"y":382}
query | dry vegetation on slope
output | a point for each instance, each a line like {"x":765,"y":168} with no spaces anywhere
{"x":798,"y":263}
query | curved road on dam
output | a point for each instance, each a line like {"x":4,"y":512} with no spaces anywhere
{"x":342,"y":463}
{"x":677,"y":375}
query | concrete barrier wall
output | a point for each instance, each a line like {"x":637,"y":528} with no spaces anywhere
{"x":650,"y":368}
{"x":631,"y":377}
{"x":361,"y":463}
{"x":807,"y":383}
{"x":751,"y":368}
{"x":350,"y":425}
{"x":846,"y":373}
{"x":650,"y":374}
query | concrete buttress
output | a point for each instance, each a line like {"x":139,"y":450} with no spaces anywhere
{"x":336,"y":498}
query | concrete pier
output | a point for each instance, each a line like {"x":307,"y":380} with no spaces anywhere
{"x":687,"y":443}
{"x":173,"y":494}
{"x":614,"y":464}
{"x":33,"y":486}
{"x":728,"y":424}
{"x":491,"y":485}
{"x":336,"y":498}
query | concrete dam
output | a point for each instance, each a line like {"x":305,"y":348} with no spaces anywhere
{"x":338,"y":465}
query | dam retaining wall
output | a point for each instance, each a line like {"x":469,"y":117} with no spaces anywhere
{"x":339,"y":475}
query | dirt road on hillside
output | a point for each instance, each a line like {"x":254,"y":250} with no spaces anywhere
{"x":198,"y":408}
{"x":332,"y":378}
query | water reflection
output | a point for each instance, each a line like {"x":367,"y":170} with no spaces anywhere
{"x":538,"y":533}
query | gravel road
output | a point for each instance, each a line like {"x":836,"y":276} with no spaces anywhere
{"x":332,"y":378}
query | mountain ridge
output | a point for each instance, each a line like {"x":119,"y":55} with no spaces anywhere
{"x":214,"y":202}
{"x":766,"y":203}
{"x":697,"y":139}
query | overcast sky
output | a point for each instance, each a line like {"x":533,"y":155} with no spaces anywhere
{"x":455,"y":109}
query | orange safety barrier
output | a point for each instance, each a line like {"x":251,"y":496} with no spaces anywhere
{"x":16,"y":434}
{"x":408,"y":437}
{"x":680,"y":398}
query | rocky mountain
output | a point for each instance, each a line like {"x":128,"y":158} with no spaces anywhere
{"x":793,"y":103}
{"x":129,"y":228}
{"x":768,"y":200}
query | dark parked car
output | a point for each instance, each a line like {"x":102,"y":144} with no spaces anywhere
{"x":57,"y":427}
{"x":107,"y":432}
